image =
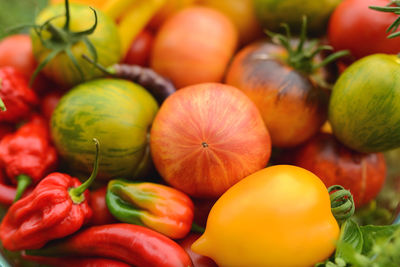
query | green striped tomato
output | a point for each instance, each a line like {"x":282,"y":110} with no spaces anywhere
{"x":105,"y":39}
{"x":116,"y":112}
{"x":364,"y":108}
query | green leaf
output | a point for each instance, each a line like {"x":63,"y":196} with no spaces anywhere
{"x":376,"y":234}
{"x":350,"y":236}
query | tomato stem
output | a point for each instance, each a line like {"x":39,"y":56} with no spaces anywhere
{"x":391,"y":9}
{"x":302,"y":57}
{"x":62,"y":39}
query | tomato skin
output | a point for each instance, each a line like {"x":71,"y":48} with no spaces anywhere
{"x":140,"y":50}
{"x":16,"y":51}
{"x":362,"y":174}
{"x":207,"y":41}
{"x":49,"y":102}
{"x":279,"y":211}
{"x":361,"y":30}
{"x":292,"y":106}
{"x":105,"y":39}
{"x":364,"y":107}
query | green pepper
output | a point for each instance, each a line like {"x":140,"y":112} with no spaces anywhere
{"x":159,"y":207}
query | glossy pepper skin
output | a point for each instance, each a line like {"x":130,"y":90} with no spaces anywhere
{"x":159,"y":207}
{"x":57,"y":207}
{"x":27,"y":155}
{"x":16,"y":94}
{"x":7,"y":192}
{"x":133,"y":244}
{"x":75,"y":262}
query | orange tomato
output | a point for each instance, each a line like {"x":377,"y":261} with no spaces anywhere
{"x":279,"y":216}
{"x":194,"y":46}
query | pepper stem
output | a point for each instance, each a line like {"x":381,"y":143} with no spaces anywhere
{"x":76,"y":193}
{"x":342,"y":203}
{"x":197,"y":228}
{"x":23,"y":181}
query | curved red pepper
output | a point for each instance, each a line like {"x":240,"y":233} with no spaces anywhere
{"x":57,"y":207}
{"x":16,"y":94}
{"x":133,"y":244}
{"x":76,"y":262}
{"x":27,"y":155}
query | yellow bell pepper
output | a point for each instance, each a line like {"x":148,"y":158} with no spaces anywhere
{"x":279,"y":216}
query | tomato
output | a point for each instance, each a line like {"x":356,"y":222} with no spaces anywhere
{"x":356,"y":27}
{"x":197,"y":259}
{"x":292,"y":105}
{"x":170,"y":7}
{"x":49,"y":102}
{"x":364,"y":107}
{"x":271,"y":13}
{"x":140,"y":50}
{"x":242,"y":14}
{"x":363,"y":174}
{"x":92,"y":3}
{"x":207,"y":41}
{"x":105,"y":40}
{"x":16,"y":51}
{"x":273,"y":213}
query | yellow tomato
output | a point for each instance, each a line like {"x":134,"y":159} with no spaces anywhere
{"x":92,"y":3}
{"x":242,"y":14}
{"x":279,"y":216}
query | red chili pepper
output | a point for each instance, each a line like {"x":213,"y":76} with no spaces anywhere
{"x":57,"y":207}
{"x":133,"y":244}
{"x":27,"y":155}
{"x":6,"y":128}
{"x":101,"y":214}
{"x":7,"y":193}
{"x":75,"y":262}
{"x":16,"y":94}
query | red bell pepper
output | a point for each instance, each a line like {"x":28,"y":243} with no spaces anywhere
{"x":16,"y":94}
{"x":7,"y":193}
{"x":57,"y":207}
{"x":133,"y":244}
{"x":27,"y":155}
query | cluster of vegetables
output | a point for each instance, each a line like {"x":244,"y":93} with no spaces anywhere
{"x":213,"y":133}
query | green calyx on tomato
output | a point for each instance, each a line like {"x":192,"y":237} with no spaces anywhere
{"x":393,"y":9}
{"x":301,"y":57}
{"x":62,"y":39}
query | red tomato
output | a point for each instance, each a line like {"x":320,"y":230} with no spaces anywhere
{"x":101,"y":214}
{"x":363,"y":174}
{"x":49,"y":103}
{"x":197,"y":259}
{"x":16,"y":51}
{"x":356,"y":27}
{"x":139,"y":52}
